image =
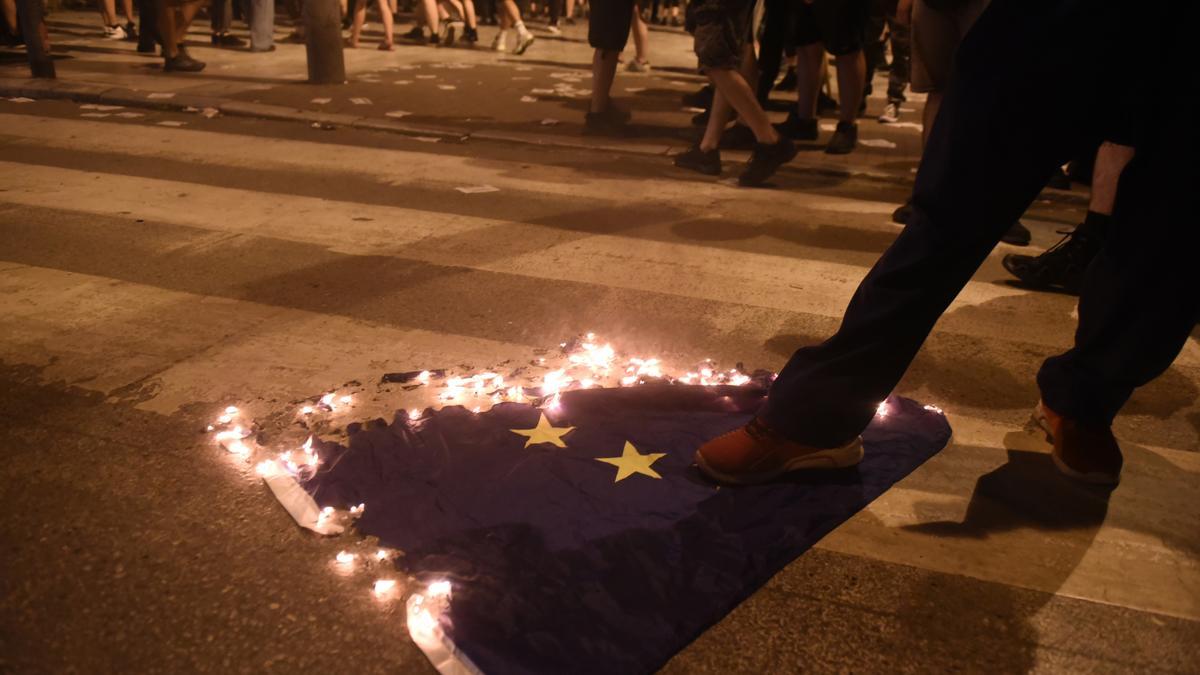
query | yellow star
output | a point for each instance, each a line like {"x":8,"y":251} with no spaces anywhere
{"x":544,"y":432}
{"x":631,"y":461}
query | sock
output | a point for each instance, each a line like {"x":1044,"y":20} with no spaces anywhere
{"x":521,"y":29}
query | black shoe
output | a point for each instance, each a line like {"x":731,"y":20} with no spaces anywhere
{"x":699,"y":99}
{"x":183,"y":64}
{"x":903,"y":213}
{"x":611,"y":122}
{"x":788,"y":83}
{"x":738,"y":137}
{"x":1058,"y":180}
{"x":765,"y":161}
{"x":1061,"y":267}
{"x":416,"y":35}
{"x":700,"y":119}
{"x":797,"y":128}
{"x":470,"y":35}
{"x":131,"y":33}
{"x":227,"y":40}
{"x":1017,"y":235}
{"x":695,"y":159}
{"x":434,"y":39}
{"x":826,"y":105}
{"x":844,"y":140}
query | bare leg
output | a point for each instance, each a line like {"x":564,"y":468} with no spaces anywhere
{"x":385,"y":15}
{"x":458,"y":14}
{"x":1110,"y":162}
{"x":604,"y":71}
{"x":641,"y":35}
{"x":469,"y":13}
{"x":127,"y":10}
{"x":108,"y":12}
{"x":851,"y":78}
{"x":360,"y":17}
{"x":431,"y":15}
{"x":718,"y":119}
{"x":570,"y":13}
{"x":10,"y":15}
{"x":738,"y":93}
{"x":513,"y":13}
{"x":808,"y":79}
{"x":186,"y":13}
{"x":933,"y":101}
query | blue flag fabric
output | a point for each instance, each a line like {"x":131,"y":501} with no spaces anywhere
{"x":610,"y":553}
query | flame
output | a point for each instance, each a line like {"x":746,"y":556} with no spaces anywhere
{"x":384,"y":587}
{"x":381,"y":554}
{"x":345,"y":558}
{"x":438,"y":589}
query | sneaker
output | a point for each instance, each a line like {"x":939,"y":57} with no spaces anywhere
{"x":183,"y":63}
{"x":695,"y":159}
{"x":636,"y":66}
{"x":500,"y":42}
{"x":1017,"y":235}
{"x":765,"y":160}
{"x":788,"y":83}
{"x":553,"y":29}
{"x":470,"y":35}
{"x":738,"y":137}
{"x":844,"y":140}
{"x":115,"y":33}
{"x":701,"y":98}
{"x":434,"y":40}
{"x":903,"y":213}
{"x":227,"y":40}
{"x":890,"y":114}
{"x":523,"y":43}
{"x":613,"y":121}
{"x":416,"y":34}
{"x":131,"y":33}
{"x":798,"y":128}
{"x":1061,"y":267}
{"x":757,"y":454}
{"x":1085,"y":452}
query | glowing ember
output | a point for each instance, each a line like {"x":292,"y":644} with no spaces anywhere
{"x":384,"y":587}
{"x":306,"y":410}
{"x":346,"y":400}
{"x":934,"y":408}
{"x":345,"y":558}
{"x":423,"y":377}
{"x":414,"y":414}
{"x":231,"y":410}
{"x":327,"y":401}
{"x":266,"y":467}
{"x":381,"y":554}
{"x":225,"y":419}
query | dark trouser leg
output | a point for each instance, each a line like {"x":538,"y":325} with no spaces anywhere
{"x":221,"y":12}
{"x":147,"y":24}
{"x":777,"y":20}
{"x":989,"y":154}
{"x":1139,"y":301}
{"x":898,"y":76}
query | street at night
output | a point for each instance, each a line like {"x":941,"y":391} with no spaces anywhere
{"x":186,"y":254}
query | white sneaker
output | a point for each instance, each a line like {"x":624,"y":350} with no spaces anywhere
{"x":115,"y":32}
{"x":553,"y":29}
{"x":500,"y":44}
{"x":523,"y":42}
{"x":636,"y":66}
{"x":890,"y":114}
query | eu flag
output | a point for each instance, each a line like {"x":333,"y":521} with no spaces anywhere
{"x":582,"y":538}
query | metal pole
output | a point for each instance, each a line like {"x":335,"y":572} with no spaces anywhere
{"x":34,"y":30}
{"x":323,"y":35}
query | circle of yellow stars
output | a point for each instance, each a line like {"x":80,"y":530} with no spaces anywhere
{"x":629,"y":463}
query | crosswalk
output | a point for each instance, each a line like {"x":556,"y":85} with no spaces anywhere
{"x":174,"y":266}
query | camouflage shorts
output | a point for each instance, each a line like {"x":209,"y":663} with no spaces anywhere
{"x":722,"y":30}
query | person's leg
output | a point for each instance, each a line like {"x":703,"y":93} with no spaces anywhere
{"x":988,"y":157}
{"x":10,"y":16}
{"x":127,"y":10}
{"x":221,"y":17}
{"x":360,"y":17}
{"x":641,"y":38}
{"x":262,"y":23}
{"x":851,"y":78}
{"x":898,"y":75}
{"x":430,"y":12}
{"x":776,"y":20}
{"x":808,"y":79}
{"x":604,"y":71}
{"x":721,"y":115}
{"x":167,"y":23}
{"x":108,"y":12}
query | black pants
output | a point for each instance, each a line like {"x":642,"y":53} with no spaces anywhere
{"x":777,"y":25}
{"x":1009,"y":117}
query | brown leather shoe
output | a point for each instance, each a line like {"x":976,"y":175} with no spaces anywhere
{"x":756,"y":454}
{"x":1085,"y":452}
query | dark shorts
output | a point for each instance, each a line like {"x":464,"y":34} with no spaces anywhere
{"x":839,"y":25}
{"x":608,"y":24}
{"x":721,"y":30}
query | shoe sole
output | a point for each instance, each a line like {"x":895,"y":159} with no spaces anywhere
{"x":759,"y":183}
{"x":834,"y":458}
{"x":1039,"y":421}
{"x":523,"y":47}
